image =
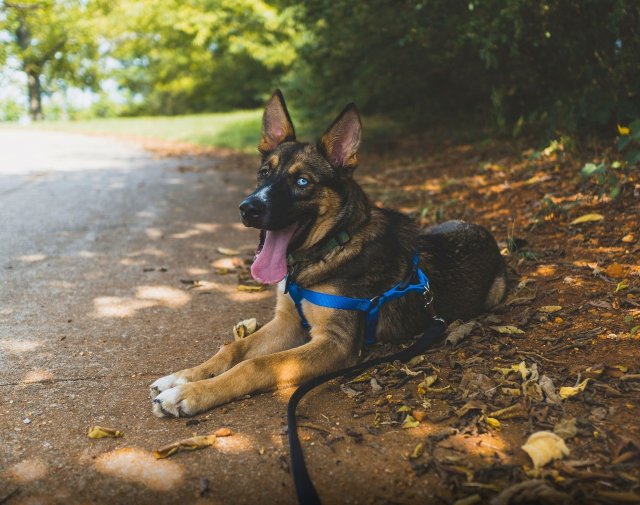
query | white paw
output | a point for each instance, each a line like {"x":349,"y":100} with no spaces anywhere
{"x":165,"y":383}
{"x":172,"y":402}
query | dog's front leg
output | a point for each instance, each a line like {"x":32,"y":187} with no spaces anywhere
{"x":322,"y":354}
{"x":281,"y":333}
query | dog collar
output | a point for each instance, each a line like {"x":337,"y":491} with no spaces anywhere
{"x":299,"y":256}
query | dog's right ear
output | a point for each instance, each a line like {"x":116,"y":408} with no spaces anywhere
{"x":276,"y":124}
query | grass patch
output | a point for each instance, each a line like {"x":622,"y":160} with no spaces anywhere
{"x":238,"y":130}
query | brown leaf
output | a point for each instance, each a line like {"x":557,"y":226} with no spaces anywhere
{"x":530,"y":491}
{"x":189,"y":444}
{"x":615,"y":270}
{"x":471,"y":405}
{"x":223,"y":432}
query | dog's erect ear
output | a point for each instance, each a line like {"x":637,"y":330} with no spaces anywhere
{"x":276,"y":124}
{"x":341,"y":140}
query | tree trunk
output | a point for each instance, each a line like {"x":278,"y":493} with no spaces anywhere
{"x":35,"y":95}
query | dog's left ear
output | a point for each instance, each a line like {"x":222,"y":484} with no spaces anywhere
{"x":341,"y":140}
{"x":276,"y":124}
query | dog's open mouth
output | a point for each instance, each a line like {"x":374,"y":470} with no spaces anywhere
{"x":270,"y":263}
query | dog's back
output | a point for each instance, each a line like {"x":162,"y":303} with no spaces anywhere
{"x":466,"y":269}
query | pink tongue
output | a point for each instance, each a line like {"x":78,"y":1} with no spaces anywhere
{"x":270,"y":265}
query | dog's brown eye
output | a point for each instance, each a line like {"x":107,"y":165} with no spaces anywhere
{"x":263,"y":172}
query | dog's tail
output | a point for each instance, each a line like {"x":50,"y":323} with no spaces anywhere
{"x":498,"y":288}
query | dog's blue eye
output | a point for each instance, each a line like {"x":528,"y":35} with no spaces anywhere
{"x":302,"y":182}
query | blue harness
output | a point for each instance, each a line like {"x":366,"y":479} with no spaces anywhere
{"x":371,"y":307}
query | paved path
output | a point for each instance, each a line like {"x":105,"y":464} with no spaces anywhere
{"x":84,"y":328}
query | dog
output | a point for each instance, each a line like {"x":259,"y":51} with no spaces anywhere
{"x":320,"y":232}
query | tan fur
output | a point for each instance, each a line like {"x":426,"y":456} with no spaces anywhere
{"x":280,"y":354}
{"x":496,"y":292}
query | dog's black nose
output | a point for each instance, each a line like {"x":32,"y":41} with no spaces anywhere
{"x":252,"y":208}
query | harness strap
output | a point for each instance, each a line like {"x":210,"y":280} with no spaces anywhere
{"x":305,"y":490}
{"x":370,"y":306}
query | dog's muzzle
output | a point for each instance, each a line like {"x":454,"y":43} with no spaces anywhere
{"x":252,"y":211}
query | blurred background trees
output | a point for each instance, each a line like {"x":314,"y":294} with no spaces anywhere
{"x":513,"y":66}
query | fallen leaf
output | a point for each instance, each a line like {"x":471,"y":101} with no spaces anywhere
{"x":549,"y":309}
{"x":223,"y":432}
{"x":468,"y":500}
{"x":403,"y":408}
{"x":375,"y":386}
{"x":587,"y":218}
{"x":409,"y":372}
{"x":549,"y":390}
{"x":102,"y":432}
{"x":544,"y":447}
{"x":410,"y":422}
{"x":419,"y":415}
{"x":227,"y":251}
{"x":566,"y":428}
{"x":493,"y":423}
{"x":426,"y":384}
{"x":350,"y":392}
{"x":189,"y":444}
{"x":569,"y":391}
{"x":245,"y":328}
{"x":509,"y":330}
{"x":250,"y":288}
{"x":530,"y":491}
{"x":417,"y":451}
{"x":471,"y":405}
{"x":522,"y":369}
{"x":615,"y":270}
{"x":628,"y":238}
{"x":459,"y":332}
{"x":515,"y":410}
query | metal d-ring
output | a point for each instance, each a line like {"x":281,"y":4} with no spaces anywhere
{"x":428,"y":296}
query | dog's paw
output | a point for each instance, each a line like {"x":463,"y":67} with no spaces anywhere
{"x":165,"y":383}
{"x":173,"y":402}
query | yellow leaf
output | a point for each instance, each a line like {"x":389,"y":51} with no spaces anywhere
{"x":102,"y":432}
{"x":587,"y":218}
{"x":404,"y":408}
{"x":568,"y":391}
{"x":545,"y":446}
{"x":417,"y":451}
{"x":624,"y":130}
{"x":493,"y":423}
{"x":410,"y":422}
{"x":510,"y":330}
{"x":250,"y":288}
{"x":550,"y":308}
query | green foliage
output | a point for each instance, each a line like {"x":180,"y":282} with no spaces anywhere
{"x":516,"y":65}
{"x":610,"y":177}
{"x":520,"y":66}
{"x":54,"y":41}
{"x":198,"y":55}
{"x":629,"y":142}
{"x":10,"y":111}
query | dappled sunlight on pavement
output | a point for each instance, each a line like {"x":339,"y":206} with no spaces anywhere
{"x":141,"y":467}
{"x":145,"y":297}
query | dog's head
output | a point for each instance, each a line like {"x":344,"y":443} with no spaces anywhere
{"x":301,"y":186}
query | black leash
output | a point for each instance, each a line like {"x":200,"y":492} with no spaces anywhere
{"x":307,"y":494}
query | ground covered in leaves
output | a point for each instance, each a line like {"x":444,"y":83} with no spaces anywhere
{"x":537,"y":402}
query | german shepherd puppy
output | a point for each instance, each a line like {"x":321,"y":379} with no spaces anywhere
{"x":306,"y":197}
